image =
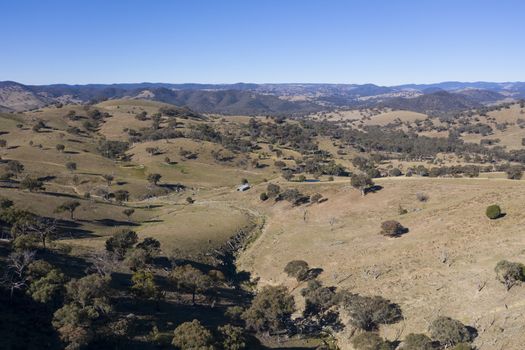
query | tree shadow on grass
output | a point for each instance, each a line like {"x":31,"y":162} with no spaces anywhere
{"x":374,"y":189}
{"x":114,"y":223}
{"x":58,"y":194}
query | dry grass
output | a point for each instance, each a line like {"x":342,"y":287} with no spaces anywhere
{"x":341,"y":236}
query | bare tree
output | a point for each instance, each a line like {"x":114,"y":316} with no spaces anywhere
{"x":14,"y":277}
{"x":103,"y":263}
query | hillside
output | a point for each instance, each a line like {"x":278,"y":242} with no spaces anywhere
{"x":108,"y":184}
{"x":279,"y":99}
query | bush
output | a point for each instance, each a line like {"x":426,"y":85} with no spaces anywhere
{"x":449,"y":332}
{"x":395,"y":172}
{"x":316,"y":197}
{"x":514,"y":172}
{"x":422,"y":197}
{"x":417,"y":342}
{"x":493,"y":211}
{"x":298,"y":269}
{"x":232,"y":337}
{"x":121,"y":242}
{"x":271,"y":310}
{"x":371,"y":341}
{"x":392,"y":228}
{"x":509,"y":273}
{"x":192,"y":335}
{"x":263,"y":196}
{"x":368,"y":312}
{"x":273,"y":190}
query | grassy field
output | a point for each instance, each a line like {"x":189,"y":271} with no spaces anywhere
{"x":341,"y":237}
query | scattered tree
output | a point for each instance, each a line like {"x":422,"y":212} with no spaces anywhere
{"x":509,"y":273}
{"x":31,"y":184}
{"x":493,"y":211}
{"x":192,"y":280}
{"x":193,"y":335}
{"x":128,"y":212}
{"x":271,"y":310}
{"x":154,"y":178}
{"x":361,"y":182}
{"x":69,"y":206}
{"x":449,"y":332}
{"x":298,"y":269}
{"x":121,"y":242}
{"x":392,"y":228}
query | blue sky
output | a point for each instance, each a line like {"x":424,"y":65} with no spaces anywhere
{"x":219,"y":41}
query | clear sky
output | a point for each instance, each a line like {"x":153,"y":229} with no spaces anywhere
{"x":226,"y":41}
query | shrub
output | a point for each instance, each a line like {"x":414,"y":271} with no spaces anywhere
{"x":449,"y":332}
{"x":273,"y":190}
{"x":509,"y":273}
{"x":371,"y":341}
{"x":493,"y":211}
{"x":192,"y":335}
{"x":271,"y":310}
{"x":392,"y":228}
{"x":31,"y":184}
{"x":121,"y":242}
{"x":368,"y":312}
{"x":395,"y":172}
{"x":514,"y":172}
{"x":263,"y":196}
{"x":232,"y":337}
{"x":422,"y":197}
{"x":417,"y":342}
{"x":315,"y":198}
{"x":298,"y":269}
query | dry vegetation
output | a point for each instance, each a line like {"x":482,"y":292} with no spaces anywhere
{"x":320,"y":189}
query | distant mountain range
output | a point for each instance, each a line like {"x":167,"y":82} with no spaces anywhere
{"x":275,"y":99}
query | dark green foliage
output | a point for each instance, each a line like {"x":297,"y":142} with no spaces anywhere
{"x":128,"y":212}
{"x":293,"y":196}
{"x":113,"y":149}
{"x":368,"y":312}
{"x":395,"y":172}
{"x":361,"y":182}
{"x":121,"y":242}
{"x":69,"y":206}
{"x":392,"y":228}
{"x":189,"y":279}
{"x":193,"y":336}
{"x":143,"y":285}
{"x":514,"y":172}
{"x":271,"y":310}
{"x":297,"y":269}
{"x":31,"y":184}
{"x":417,"y":342}
{"x":121,"y":196}
{"x":154,"y":178}
{"x":71,"y":166}
{"x":231,"y":337}
{"x":273,"y":190}
{"x":318,"y":298}
{"x":87,"y":300}
{"x":449,"y":332}
{"x":371,"y":341}
{"x":48,"y":288}
{"x":493,"y":211}
{"x":151,"y":246}
{"x":509,"y":273}
{"x":5,"y":203}
{"x":263,"y":196}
